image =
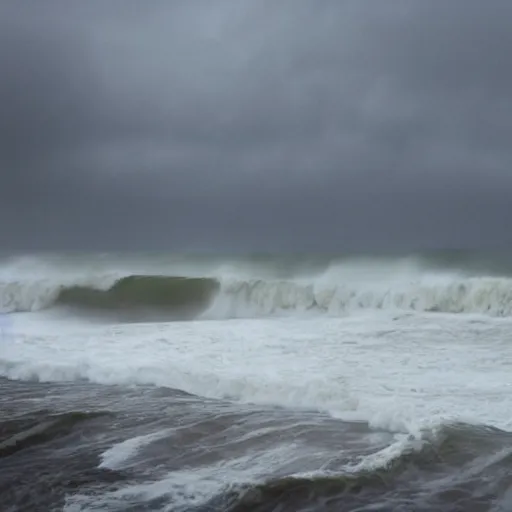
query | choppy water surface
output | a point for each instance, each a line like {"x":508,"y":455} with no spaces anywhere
{"x":182,"y":385}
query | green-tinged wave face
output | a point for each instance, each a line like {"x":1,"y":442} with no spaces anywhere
{"x":181,"y":296}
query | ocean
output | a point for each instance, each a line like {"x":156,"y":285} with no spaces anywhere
{"x":156,"y":382}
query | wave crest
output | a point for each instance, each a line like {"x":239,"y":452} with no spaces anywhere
{"x":189,"y":297}
{"x":492,"y":296}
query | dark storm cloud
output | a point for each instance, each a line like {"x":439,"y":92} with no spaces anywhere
{"x":256,"y":124}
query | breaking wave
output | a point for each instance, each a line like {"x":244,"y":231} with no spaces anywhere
{"x":198,"y":291}
{"x":181,"y":295}
{"x":443,"y":469}
{"x":491,"y":296}
{"x":242,"y":298}
{"x":184,"y":295}
{"x":187,"y":297}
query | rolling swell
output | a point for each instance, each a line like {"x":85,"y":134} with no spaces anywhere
{"x":463,"y":467}
{"x":184,"y":296}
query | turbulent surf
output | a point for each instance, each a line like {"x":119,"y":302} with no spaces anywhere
{"x":187,"y":289}
{"x":194,"y":384}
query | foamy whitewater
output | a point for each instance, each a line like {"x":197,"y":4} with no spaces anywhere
{"x":200,"y":384}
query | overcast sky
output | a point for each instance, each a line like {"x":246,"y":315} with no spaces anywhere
{"x":314,"y":125}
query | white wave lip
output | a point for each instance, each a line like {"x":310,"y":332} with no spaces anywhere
{"x":491,"y":296}
{"x":119,"y":455}
{"x":340,"y":289}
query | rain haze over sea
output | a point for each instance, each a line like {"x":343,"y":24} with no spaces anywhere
{"x":255,"y":256}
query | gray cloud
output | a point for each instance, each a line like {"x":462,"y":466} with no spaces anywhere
{"x":284,"y":124}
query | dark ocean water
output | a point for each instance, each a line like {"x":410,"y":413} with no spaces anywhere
{"x":53,"y":440}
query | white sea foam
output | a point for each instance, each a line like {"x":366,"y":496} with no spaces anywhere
{"x":396,"y":373}
{"x":405,"y":373}
{"x":189,"y":487}
{"x":449,"y":294}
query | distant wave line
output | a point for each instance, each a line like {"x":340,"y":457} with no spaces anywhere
{"x":183,"y":297}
